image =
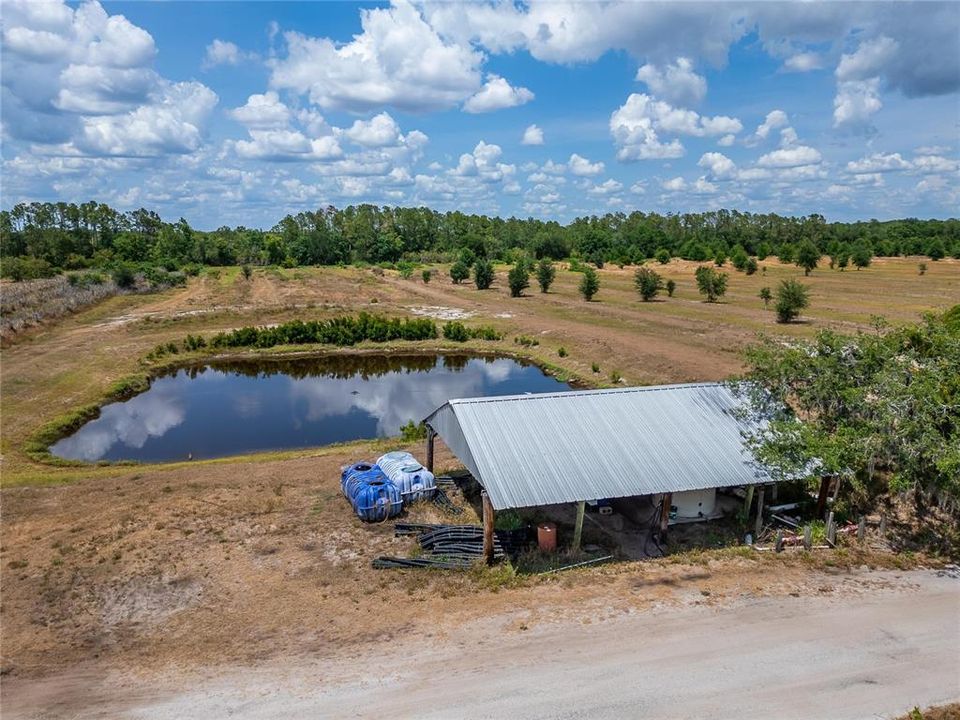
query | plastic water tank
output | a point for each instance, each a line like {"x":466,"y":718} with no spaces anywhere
{"x":413,"y":479}
{"x":695,"y":503}
{"x":373,"y":496}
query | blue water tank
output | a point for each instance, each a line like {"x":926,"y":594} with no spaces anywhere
{"x":413,"y":479}
{"x":373,"y":496}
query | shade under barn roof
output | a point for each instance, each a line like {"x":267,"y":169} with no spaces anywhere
{"x":550,"y":448}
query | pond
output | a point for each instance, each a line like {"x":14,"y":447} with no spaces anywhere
{"x":239,"y":407}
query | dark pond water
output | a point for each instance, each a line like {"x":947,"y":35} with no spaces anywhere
{"x":231,"y":408}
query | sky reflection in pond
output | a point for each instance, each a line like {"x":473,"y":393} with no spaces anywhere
{"x":231,"y":408}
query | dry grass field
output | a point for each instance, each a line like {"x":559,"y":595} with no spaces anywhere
{"x":187,"y":565}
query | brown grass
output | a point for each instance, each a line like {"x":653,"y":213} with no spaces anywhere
{"x":162,"y":563}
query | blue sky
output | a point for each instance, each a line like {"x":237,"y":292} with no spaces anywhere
{"x":237,"y":113}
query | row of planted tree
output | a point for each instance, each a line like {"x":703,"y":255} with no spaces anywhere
{"x":791,"y":296}
{"x":37,"y":239}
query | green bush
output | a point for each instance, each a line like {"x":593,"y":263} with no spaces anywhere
{"x":26,"y":268}
{"x":562,"y":352}
{"x":458,"y":332}
{"x":426,"y":275}
{"x":546,"y":272}
{"x":459,"y":272}
{"x":750,"y":267}
{"x":589,"y":284}
{"x":671,"y":288}
{"x":123,"y":276}
{"x":766,"y":296}
{"x":411,"y":431}
{"x":648,"y":283}
{"x":662,"y":256}
{"x":792,"y":297}
{"x":518,"y":279}
{"x":247,"y":272}
{"x":339,"y":331}
{"x":526,"y":341}
{"x":711,"y":283}
{"x":483,"y":273}
{"x":595,"y":367}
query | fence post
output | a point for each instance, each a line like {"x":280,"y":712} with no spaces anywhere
{"x":779,"y":546}
{"x":759,"y":525}
{"x":807,"y":537}
{"x":862,"y":528}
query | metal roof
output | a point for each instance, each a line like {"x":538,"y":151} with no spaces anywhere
{"x":564,"y":447}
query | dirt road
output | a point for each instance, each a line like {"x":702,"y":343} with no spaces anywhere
{"x":870,"y":655}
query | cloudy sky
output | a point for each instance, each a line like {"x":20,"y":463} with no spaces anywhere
{"x":236,"y":113}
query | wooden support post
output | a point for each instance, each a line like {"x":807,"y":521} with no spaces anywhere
{"x":836,"y":488}
{"x":862,"y":528}
{"x":822,"y":497}
{"x":807,"y":537}
{"x":578,"y":528}
{"x":748,"y":502}
{"x":665,"y":514}
{"x":759,"y":524}
{"x":430,"y":436}
{"x":773,"y":493}
{"x":488,"y":518}
{"x":779,"y":544}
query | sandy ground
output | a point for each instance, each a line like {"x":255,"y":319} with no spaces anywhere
{"x":852,"y":655}
{"x":126,"y":582}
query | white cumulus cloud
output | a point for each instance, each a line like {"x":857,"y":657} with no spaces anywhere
{"x":581,"y":166}
{"x":533,"y":135}
{"x":497,"y":94}
{"x":677,"y":83}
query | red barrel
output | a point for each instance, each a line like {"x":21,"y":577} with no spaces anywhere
{"x":547,"y":536}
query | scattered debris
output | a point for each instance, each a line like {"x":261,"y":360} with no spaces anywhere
{"x":439,"y":312}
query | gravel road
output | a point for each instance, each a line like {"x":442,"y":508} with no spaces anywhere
{"x":871,"y":654}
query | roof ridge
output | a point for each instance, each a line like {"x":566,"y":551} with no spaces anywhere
{"x":582,"y":393}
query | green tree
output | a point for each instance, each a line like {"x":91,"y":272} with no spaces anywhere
{"x":123,"y":276}
{"x":808,"y":256}
{"x":671,"y":288}
{"x":589,"y":284}
{"x":750,"y":267}
{"x":720,"y":258}
{"x":647,"y":282}
{"x":936,"y":250}
{"x":879,"y":409}
{"x":518,"y":279}
{"x":546,"y":272}
{"x":426,"y":275}
{"x":247,"y":272}
{"x":663,"y":256}
{"x":711,"y":282}
{"x":766,"y":296}
{"x":792,"y":297}
{"x":483,"y":273}
{"x":459,"y":272}
{"x":861,"y":256}
{"x":739,"y":258}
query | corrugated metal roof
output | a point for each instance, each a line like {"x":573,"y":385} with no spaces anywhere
{"x":564,"y":447}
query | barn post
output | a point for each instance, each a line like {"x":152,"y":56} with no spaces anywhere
{"x":578,"y":528}
{"x":665,"y":514}
{"x":822,"y":497}
{"x":488,"y":518}
{"x":759,"y":526}
{"x":748,"y":501}
{"x":430,"y":436}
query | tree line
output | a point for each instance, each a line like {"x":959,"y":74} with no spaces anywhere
{"x":38,"y":239}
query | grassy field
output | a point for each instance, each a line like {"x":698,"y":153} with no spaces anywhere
{"x":160,"y":563}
